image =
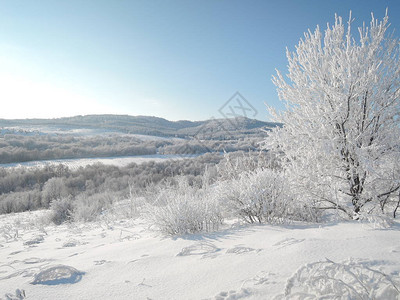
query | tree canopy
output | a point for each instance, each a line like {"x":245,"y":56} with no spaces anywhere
{"x":339,"y":144}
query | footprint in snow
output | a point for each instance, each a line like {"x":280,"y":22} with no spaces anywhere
{"x":203,"y":248}
{"x":28,"y":272}
{"x":233,"y":295}
{"x":33,"y":260}
{"x":287,"y":242}
{"x":76,"y":253}
{"x":70,"y":243}
{"x":19,"y":295}
{"x":101,"y":262}
{"x":248,"y":286}
{"x":36,"y":240}
{"x":239,"y":249}
{"x":395,"y":250}
{"x":262,"y":278}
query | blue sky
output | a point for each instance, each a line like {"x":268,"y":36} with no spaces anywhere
{"x":172,"y":59}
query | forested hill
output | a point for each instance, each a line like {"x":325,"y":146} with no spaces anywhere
{"x":147,"y":125}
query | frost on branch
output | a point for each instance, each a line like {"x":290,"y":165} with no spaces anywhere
{"x":340,"y":141}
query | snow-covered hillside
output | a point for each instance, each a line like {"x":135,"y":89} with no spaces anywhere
{"x":126,"y":259}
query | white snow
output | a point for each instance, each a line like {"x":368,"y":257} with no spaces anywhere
{"x":126,"y":259}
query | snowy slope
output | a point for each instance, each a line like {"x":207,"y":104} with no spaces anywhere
{"x":127,"y":260}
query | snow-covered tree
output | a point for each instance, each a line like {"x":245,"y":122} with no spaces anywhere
{"x":340,"y":140}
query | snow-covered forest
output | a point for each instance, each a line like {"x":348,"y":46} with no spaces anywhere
{"x":306,"y":209}
{"x":114,"y":135}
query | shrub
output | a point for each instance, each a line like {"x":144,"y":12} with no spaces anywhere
{"x":61,"y":210}
{"x":348,"y":280}
{"x":182,"y":209}
{"x":53,"y":189}
{"x":262,"y":196}
{"x":20,"y":201}
{"x":236,"y":163}
{"x":88,"y":208}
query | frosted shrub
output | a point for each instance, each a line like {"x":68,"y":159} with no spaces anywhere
{"x":88,"y":208}
{"x":53,"y":189}
{"x":262,"y":196}
{"x":19,"y":201}
{"x":61,"y":210}
{"x":183,"y":209}
{"x":348,"y":280}
{"x":234,"y":164}
{"x":378,"y":220}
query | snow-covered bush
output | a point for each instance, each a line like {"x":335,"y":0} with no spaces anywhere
{"x":181,"y":209}
{"x":377,"y":221}
{"x":61,"y":210}
{"x":339,"y":144}
{"x":88,"y":208}
{"x":234,"y":164}
{"x":348,"y":280}
{"x":53,"y":189}
{"x":262,"y":196}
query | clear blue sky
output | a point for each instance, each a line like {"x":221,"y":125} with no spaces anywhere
{"x":173,"y":59}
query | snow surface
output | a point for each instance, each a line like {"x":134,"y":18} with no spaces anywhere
{"x":125,"y":259}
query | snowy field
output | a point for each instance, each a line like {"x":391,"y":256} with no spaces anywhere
{"x":120,"y":258}
{"x":119,"y":161}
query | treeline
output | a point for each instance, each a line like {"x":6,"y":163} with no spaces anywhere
{"x":21,"y":148}
{"x":197,"y":146}
{"x":148,"y":125}
{"x":23,"y":189}
{"x":18,"y":148}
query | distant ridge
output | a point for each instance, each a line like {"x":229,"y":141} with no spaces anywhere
{"x":148,"y":125}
